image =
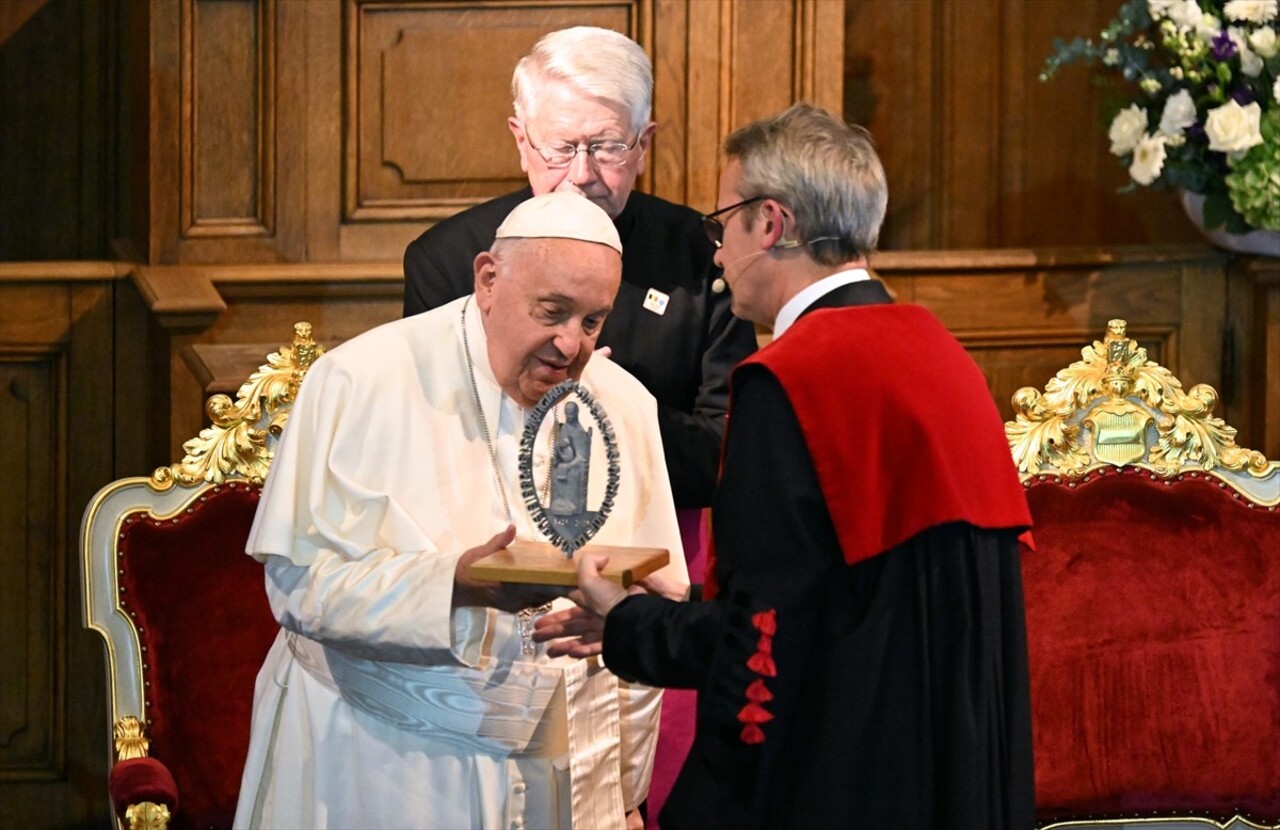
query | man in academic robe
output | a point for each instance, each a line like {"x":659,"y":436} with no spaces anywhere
{"x":581,"y":123}
{"x":402,"y":692}
{"x":862,"y":661}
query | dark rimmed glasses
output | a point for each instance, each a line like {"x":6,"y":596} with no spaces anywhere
{"x":714,"y":228}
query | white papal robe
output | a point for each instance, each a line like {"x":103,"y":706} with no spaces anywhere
{"x":378,"y":705}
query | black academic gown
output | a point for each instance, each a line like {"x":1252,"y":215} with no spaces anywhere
{"x":682,"y":355}
{"x":900,"y":697}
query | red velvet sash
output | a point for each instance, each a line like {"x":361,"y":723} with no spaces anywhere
{"x":899,"y":423}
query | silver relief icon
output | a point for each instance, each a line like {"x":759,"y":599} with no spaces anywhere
{"x":566,"y":518}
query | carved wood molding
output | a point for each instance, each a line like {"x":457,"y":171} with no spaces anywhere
{"x":228,"y":81}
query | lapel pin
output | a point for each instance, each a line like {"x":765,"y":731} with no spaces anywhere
{"x":656,"y":301}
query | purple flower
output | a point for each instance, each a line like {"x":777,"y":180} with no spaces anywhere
{"x":1243,"y":95}
{"x":1223,"y":48}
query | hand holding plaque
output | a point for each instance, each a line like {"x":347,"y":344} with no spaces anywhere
{"x":566,"y":518}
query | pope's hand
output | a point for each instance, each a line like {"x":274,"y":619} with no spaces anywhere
{"x":505,"y":597}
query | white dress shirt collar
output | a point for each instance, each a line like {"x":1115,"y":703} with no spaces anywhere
{"x":794,"y":307}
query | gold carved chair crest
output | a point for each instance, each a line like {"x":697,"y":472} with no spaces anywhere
{"x":1114,"y":407}
{"x":182,"y":609}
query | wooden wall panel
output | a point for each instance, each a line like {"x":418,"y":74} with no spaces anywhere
{"x":428,"y":93}
{"x":32,"y":725}
{"x":979,"y":152}
{"x":337,"y":130}
{"x":56,"y":381}
{"x":57,"y":146}
{"x":228,"y":108}
{"x":1025,"y":314}
{"x":1253,"y":297}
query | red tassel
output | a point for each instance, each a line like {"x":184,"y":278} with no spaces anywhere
{"x":765,"y":644}
{"x":754,"y":713}
{"x":751,"y":734}
{"x":759,"y":692}
{"x":762,"y":664}
{"x":766,"y":622}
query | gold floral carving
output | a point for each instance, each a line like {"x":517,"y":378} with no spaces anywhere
{"x":130,"y":740}
{"x":147,"y":816}
{"x":236,"y":443}
{"x":1097,"y":410}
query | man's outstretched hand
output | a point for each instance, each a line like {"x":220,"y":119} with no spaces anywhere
{"x":584,"y":625}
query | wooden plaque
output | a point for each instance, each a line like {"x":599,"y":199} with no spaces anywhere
{"x":540,"y":563}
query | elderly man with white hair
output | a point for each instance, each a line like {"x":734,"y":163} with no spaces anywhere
{"x":401,"y":692}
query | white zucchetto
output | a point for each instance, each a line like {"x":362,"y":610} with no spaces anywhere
{"x":560,"y":216}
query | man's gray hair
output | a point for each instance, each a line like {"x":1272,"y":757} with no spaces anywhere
{"x":598,"y":62}
{"x":826,"y":171}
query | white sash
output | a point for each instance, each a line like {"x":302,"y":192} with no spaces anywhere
{"x":468,"y":707}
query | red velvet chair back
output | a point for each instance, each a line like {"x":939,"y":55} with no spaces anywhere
{"x":182,"y":608}
{"x":1153,"y":600}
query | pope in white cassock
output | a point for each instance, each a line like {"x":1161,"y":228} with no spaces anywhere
{"x":401,"y":692}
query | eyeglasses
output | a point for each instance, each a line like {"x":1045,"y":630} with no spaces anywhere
{"x":714,"y":228}
{"x":607,"y":153}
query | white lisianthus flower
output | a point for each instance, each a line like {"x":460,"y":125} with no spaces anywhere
{"x":1263,"y":41}
{"x":1209,"y":27}
{"x":1179,"y":113}
{"x":1127,"y":128}
{"x":1186,"y":14}
{"x":1252,"y":11}
{"x":1250,"y":63}
{"x":1160,"y":8}
{"x":1148,"y":160}
{"x":1232,"y":128}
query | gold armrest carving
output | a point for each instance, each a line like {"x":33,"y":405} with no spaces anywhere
{"x":1098,"y":393}
{"x":236,"y":443}
{"x":130,"y":740}
{"x":147,"y":816}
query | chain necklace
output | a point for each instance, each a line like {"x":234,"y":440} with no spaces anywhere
{"x":484,"y":424}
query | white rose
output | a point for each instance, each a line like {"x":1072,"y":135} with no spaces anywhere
{"x":1179,"y":113}
{"x":1232,"y":128}
{"x":1148,"y":160}
{"x":1127,"y":129}
{"x":1263,"y":41}
{"x":1253,"y":11}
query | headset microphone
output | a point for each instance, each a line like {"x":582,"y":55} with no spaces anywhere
{"x":718,"y":285}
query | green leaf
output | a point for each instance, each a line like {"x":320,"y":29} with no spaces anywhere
{"x":1217,"y":206}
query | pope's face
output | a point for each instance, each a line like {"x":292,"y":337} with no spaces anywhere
{"x":563,"y":115}
{"x":543,"y":302}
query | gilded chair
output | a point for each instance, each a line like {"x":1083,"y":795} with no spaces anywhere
{"x":182,"y":609}
{"x":1153,"y":600}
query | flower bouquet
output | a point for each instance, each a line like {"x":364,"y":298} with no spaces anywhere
{"x":1200,"y":101}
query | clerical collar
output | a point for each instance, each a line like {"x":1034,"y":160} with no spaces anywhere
{"x":794,"y":307}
